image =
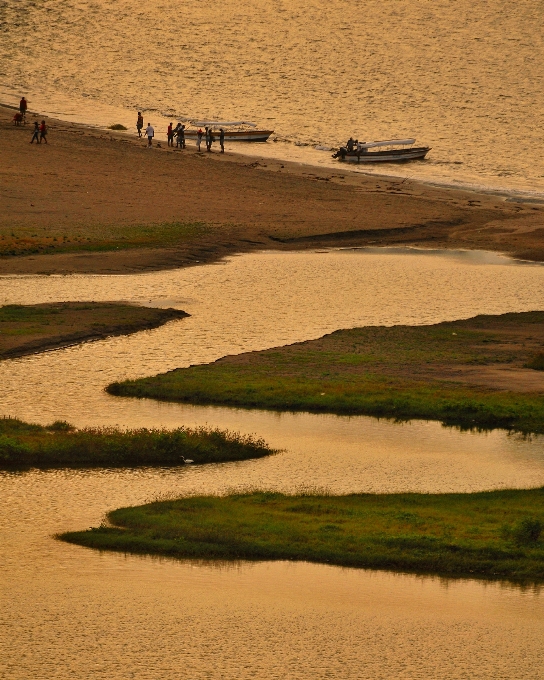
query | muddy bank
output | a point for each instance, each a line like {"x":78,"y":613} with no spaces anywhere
{"x":100,"y":201}
{"x":35,"y":328}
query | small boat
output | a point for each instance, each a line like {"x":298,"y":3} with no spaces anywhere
{"x":362,"y":154}
{"x":235,"y":131}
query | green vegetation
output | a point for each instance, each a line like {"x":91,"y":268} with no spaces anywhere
{"x":23,"y":446}
{"x":97,"y":238}
{"x":496,"y":534}
{"x":438,"y":372}
{"x":117,"y":126}
{"x":25,"y":329}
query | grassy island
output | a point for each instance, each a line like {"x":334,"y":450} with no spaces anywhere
{"x":24,"y":445}
{"x":494,"y":534}
{"x":26,"y":329}
{"x":481,"y":372}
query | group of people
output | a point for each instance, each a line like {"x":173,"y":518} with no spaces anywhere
{"x":39,"y":133}
{"x":178,"y":133}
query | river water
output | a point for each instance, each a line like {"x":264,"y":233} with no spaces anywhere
{"x":68,"y":612}
{"x":463,"y":77}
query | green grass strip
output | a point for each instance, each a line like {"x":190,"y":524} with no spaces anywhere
{"x":496,"y":534}
{"x":400,"y":372}
{"x":23,"y":446}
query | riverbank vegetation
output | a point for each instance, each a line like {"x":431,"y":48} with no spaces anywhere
{"x":470,"y":373}
{"x":24,"y":445}
{"x":26,"y":329}
{"x":496,"y":534}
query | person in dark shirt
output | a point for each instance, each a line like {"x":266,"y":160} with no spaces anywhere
{"x":139,"y":124}
{"x":222,"y":140}
{"x":36,"y":133}
{"x":170,"y":135}
{"x":23,"y":106}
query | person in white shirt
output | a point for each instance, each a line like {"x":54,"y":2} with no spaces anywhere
{"x":150,"y":132}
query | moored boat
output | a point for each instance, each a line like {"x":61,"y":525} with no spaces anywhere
{"x":399,"y":150}
{"x":235,"y":131}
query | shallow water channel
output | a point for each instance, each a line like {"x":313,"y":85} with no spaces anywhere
{"x":68,"y":612}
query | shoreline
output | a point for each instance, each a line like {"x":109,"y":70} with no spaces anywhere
{"x":468,"y":185}
{"x":93,"y":217}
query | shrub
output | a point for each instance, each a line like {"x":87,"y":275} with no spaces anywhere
{"x":527,"y":531}
{"x":117,"y":126}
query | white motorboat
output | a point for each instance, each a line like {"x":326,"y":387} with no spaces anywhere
{"x":235,"y":131}
{"x":398,"y":150}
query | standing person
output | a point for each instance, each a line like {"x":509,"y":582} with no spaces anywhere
{"x":170,"y":135}
{"x":207,"y":135}
{"x":182,"y":136}
{"x":150,"y":133}
{"x":139,"y":124}
{"x":43,"y":132}
{"x":36,"y":133}
{"x":176,"y":135}
{"x":222,"y":140}
{"x":198,"y":139}
{"x":23,"y":106}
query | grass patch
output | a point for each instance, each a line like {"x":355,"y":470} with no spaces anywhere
{"x":97,"y":238}
{"x":117,"y":126}
{"x":496,"y":534}
{"x":24,"y":446}
{"x":401,"y":372}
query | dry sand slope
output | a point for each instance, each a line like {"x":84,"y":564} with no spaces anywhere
{"x":89,"y":188}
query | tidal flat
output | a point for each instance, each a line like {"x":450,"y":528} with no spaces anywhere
{"x":476,"y":373}
{"x":494,"y":534}
{"x":60,"y":445}
{"x":27,"y":329}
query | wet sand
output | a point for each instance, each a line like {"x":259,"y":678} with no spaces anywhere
{"x":94,"y":186}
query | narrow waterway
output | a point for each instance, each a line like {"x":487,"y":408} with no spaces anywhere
{"x":68,"y":612}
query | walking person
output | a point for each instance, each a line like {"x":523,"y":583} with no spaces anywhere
{"x":198,"y":139}
{"x":36,"y":133}
{"x":170,"y":135}
{"x":222,"y":140}
{"x":150,"y":133}
{"x":43,"y":132}
{"x":23,"y":106}
{"x":139,"y":124}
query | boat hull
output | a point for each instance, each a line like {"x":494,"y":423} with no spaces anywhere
{"x":395,"y":156}
{"x":235,"y":136}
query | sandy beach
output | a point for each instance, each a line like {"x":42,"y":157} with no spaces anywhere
{"x":98,"y":201}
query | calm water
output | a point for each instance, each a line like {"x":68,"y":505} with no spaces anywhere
{"x":68,"y":612}
{"x":463,"y":77}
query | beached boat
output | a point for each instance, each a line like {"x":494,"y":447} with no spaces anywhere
{"x":237,"y":131}
{"x":399,"y":150}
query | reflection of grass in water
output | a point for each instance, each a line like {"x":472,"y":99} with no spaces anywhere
{"x":457,"y":534}
{"x":23,"y":445}
{"x":97,"y":237}
{"x":400,"y":372}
